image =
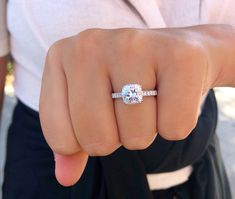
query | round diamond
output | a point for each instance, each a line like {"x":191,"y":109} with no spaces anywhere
{"x":132,"y":94}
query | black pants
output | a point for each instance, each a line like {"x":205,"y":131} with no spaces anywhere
{"x":29,"y":169}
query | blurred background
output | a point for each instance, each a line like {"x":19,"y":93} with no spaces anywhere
{"x":225,"y":129}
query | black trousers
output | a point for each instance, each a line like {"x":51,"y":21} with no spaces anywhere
{"x":29,"y":169}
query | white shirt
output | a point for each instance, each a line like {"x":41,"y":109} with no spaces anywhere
{"x":34,"y":25}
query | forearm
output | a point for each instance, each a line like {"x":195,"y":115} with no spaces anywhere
{"x":3,"y":69}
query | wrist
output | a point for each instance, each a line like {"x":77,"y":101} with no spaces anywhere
{"x":219,"y":42}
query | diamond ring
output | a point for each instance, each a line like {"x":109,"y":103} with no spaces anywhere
{"x":133,"y":94}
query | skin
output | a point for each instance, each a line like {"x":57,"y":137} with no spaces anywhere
{"x":3,"y":71}
{"x":77,"y":114}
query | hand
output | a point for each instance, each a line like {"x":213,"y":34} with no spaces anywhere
{"x":78,"y":115}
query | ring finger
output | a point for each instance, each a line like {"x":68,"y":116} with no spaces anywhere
{"x":136,"y":122}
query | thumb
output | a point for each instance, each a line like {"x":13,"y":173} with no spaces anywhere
{"x":69,"y":168}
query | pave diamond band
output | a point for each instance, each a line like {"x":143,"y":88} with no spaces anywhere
{"x":145,"y":93}
{"x":133,"y":94}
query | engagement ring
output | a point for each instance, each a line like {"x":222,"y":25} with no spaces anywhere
{"x":133,"y":94}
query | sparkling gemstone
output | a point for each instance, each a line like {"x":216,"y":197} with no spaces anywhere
{"x":132,"y":94}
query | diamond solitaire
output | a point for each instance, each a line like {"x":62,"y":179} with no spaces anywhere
{"x":133,"y":94}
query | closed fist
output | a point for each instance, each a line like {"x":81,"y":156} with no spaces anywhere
{"x":77,"y":112}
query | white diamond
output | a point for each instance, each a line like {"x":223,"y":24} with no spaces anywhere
{"x":132,"y":94}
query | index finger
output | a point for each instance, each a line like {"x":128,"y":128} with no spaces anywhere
{"x":53,"y":108}
{"x":56,"y":122}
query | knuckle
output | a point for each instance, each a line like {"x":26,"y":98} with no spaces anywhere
{"x":89,"y":32}
{"x":135,"y":40}
{"x":89,"y":36}
{"x":57,"y":141}
{"x":137,"y":143}
{"x":99,"y":148}
{"x":188,"y":51}
{"x":63,"y":149}
{"x":53,"y":53}
{"x":175,"y":136}
{"x":86,"y":43}
{"x":54,"y":48}
{"x":178,"y":133}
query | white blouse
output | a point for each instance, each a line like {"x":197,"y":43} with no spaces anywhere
{"x":35,"y":25}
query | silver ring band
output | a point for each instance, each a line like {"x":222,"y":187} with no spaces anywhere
{"x":145,"y":93}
